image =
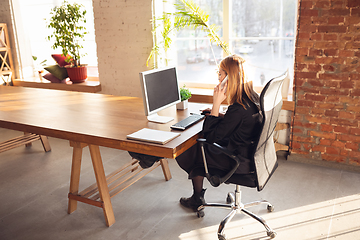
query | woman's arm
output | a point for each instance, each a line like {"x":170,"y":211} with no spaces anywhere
{"x":217,"y":128}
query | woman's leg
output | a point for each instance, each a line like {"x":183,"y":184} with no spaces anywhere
{"x":197,"y":183}
{"x":197,"y":199}
{"x":188,"y":161}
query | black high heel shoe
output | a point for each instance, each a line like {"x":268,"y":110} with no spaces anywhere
{"x":195,"y":201}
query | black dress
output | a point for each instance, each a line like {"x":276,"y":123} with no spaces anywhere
{"x":235,"y":131}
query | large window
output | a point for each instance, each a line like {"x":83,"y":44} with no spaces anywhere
{"x":261,"y":31}
{"x":32,"y":16}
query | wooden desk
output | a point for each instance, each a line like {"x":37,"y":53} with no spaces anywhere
{"x":93,"y":120}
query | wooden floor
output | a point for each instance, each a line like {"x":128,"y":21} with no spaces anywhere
{"x":311,"y":202}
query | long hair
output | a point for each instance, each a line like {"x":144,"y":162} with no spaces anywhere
{"x":237,"y":81}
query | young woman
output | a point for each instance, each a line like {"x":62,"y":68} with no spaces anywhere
{"x":235,"y":130}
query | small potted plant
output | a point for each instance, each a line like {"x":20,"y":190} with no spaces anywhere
{"x":67,"y":21}
{"x":185,"y":94}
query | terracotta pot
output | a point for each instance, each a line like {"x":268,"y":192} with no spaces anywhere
{"x":77,"y":74}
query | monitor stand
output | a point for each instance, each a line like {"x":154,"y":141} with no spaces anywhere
{"x":159,"y":119}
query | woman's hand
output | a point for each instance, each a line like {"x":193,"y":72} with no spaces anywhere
{"x":218,"y":97}
{"x":219,"y":94}
{"x":206,"y":111}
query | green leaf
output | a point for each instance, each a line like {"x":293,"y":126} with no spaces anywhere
{"x":187,"y":15}
{"x":68,"y":30}
{"x":185,"y":93}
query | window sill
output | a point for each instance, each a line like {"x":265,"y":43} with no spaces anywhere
{"x":204,"y":95}
{"x":91,"y":85}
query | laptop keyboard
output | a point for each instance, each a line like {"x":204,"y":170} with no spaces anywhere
{"x":187,"y":122}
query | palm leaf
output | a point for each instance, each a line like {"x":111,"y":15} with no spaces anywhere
{"x":187,"y":15}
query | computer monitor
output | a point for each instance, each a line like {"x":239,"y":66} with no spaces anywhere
{"x":160,"y":90}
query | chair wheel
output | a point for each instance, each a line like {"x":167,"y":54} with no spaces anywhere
{"x":221,"y":237}
{"x":270,"y":208}
{"x":200,"y":213}
{"x":271,"y":234}
{"x":228,"y":199}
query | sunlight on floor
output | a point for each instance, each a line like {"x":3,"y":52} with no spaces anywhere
{"x":331,"y":219}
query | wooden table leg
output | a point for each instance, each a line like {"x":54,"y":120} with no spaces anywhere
{"x":102,"y":185}
{"x":26,"y":140}
{"x":45,"y":142}
{"x":166,"y":170}
{"x":75,"y":173}
{"x":28,"y":144}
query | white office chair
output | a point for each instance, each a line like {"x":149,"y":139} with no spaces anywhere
{"x":263,"y":157}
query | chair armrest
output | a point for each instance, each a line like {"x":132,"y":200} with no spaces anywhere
{"x":215,"y":180}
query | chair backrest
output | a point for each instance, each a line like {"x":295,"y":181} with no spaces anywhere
{"x":265,"y":154}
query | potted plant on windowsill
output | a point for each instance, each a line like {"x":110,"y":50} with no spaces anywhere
{"x":185,"y":94}
{"x":67,"y":22}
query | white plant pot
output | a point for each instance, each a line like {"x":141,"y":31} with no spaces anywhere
{"x":182,"y":104}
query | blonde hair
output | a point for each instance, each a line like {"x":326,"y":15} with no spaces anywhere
{"x":237,"y":81}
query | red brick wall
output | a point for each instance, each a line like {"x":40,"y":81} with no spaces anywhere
{"x":327,"y":81}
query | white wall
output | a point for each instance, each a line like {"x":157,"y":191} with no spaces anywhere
{"x":124,"y":40}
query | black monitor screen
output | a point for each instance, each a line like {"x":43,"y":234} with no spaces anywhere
{"x":160,"y":89}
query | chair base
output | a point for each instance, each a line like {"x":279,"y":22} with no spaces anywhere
{"x":234,"y":203}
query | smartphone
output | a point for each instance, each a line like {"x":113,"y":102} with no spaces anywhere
{"x":223,"y":82}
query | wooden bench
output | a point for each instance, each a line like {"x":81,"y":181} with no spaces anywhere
{"x":288,"y":106}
